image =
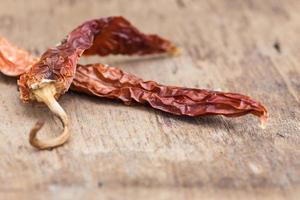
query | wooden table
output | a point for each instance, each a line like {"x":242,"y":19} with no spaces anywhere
{"x":135,"y":152}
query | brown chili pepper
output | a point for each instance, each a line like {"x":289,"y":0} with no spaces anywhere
{"x":53,"y":74}
{"x":103,"y":81}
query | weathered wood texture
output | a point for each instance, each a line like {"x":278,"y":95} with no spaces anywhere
{"x":122,"y":152}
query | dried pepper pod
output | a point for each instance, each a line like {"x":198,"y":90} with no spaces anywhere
{"x":110,"y":82}
{"x":53,"y":74}
{"x":121,"y":37}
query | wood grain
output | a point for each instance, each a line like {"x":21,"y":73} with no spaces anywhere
{"x":134,"y":152}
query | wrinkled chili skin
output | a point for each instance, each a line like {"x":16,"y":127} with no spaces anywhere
{"x":58,"y":64}
{"x":103,"y":81}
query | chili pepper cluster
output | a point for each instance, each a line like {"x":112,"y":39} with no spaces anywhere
{"x":46,"y":78}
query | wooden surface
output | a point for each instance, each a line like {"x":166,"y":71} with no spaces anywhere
{"x":122,"y":152}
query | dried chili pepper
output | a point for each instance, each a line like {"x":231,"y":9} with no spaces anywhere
{"x":53,"y":74}
{"x":103,"y":81}
{"x":120,"y":37}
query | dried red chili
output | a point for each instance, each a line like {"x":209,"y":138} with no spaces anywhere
{"x":103,"y":81}
{"x":53,"y":74}
{"x":119,"y":37}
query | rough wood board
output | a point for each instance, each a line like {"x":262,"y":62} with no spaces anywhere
{"x":125,"y":152}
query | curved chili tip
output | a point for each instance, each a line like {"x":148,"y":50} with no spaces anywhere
{"x":45,"y":94}
{"x":174,"y":51}
{"x":264,"y":120}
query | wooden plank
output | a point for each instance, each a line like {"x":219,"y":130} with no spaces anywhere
{"x":119,"y":151}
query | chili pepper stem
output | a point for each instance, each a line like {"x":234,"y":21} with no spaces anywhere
{"x":46,"y":94}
